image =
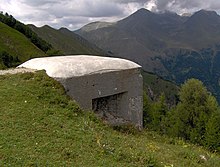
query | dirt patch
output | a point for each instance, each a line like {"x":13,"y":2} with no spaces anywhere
{"x":16,"y":70}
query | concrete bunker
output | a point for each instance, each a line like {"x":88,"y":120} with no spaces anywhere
{"x":111,"y":87}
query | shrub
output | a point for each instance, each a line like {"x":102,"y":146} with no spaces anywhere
{"x":7,"y":60}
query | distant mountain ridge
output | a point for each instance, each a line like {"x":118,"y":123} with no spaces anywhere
{"x":65,"y":42}
{"x":152,"y":33}
{"x":172,"y":46}
{"x":20,"y":42}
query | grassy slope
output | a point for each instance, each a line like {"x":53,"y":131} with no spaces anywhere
{"x":40,"y":126}
{"x":16,"y":44}
{"x":66,"y":43}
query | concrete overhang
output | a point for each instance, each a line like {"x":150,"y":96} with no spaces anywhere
{"x":78,"y":65}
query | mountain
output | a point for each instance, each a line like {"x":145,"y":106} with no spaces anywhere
{"x":14,"y":45}
{"x":155,"y":86}
{"x":66,"y":42}
{"x":172,"y":46}
{"x":138,"y":37}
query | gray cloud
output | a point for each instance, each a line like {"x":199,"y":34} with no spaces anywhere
{"x":131,"y":1}
{"x":181,"y":6}
{"x":39,"y":2}
{"x":76,"y":13}
{"x":177,"y":4}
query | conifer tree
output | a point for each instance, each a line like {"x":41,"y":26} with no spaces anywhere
{"x":193,"y":111}
{"x":212,"y":135}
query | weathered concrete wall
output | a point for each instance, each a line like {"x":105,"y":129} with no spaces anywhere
{"x":112,"y":87}
{"x":127,"y":84}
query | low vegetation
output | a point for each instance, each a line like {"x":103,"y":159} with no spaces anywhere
{"x":6,"y":60}
{"x":41,"y":126}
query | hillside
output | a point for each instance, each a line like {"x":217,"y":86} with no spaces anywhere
{"x":41,"y":126}
{"x":17,"y":45}
{"x":172,"y":46}
{"x":66,"y":42}
{"x":155,"y":86}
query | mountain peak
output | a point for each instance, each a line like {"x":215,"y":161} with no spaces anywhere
{"x":46,"y":27}
{"x":140,"y":14}
{"x":204,"y":18}
{"x":204,"y":12}
{"x":142,"y":11}
{"x":63,"y":29}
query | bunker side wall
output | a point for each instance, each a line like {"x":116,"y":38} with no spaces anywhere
{"x":128,"y":82}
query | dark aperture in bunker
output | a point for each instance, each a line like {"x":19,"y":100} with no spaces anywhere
{"x":110,"y":107}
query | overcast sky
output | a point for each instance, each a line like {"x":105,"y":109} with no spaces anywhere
{"x":73,"y":14}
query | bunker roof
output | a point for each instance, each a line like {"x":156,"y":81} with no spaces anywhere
{"x":78,"y":65}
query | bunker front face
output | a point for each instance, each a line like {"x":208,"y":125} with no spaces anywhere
{"x":111,"y":87}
